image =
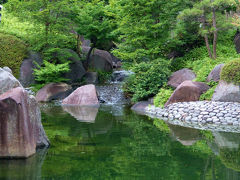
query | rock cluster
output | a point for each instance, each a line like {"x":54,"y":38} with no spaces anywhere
{"x":21,"y":130}
{"x":200,"y":113}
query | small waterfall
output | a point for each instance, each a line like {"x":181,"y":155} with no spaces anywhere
{"x":112,"y":93}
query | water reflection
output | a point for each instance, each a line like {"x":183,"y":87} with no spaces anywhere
{"x":186,"y":136}
{"x":23,"y":169}
{"x":120,"y":144}
{"x":82,"y":113}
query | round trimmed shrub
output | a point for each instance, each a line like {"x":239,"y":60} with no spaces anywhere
{"x":147,"y":79}
{"x":231,"y":72}
{"x":12,"y":52}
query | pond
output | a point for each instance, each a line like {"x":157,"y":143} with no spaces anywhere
{"x":113,"y":142}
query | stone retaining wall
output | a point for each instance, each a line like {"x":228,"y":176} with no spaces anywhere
{"x":219,"y":116}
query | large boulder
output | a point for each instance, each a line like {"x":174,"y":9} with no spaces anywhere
{"x":53,"y":91}
{"x":226,"y":92}
{"x":215,"y":73}
{"x":91,"y":77}
{"x":99,"y":59}
{"x":21,"y":128}
{"x":188,"y":91}
{"x":180,"y":76}
{"x":7,"y":80}
{"x":18,"y":135}
{"x":77,"y":71}
{"x":84,"y":96}
{"x":27,"y":66}
{"x":141,"y":106}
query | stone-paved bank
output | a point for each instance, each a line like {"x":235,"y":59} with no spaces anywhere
{"x":219,"y":116}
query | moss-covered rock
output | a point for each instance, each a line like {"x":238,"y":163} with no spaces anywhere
{"x":12,"y":52}
{"x":231,"y":72}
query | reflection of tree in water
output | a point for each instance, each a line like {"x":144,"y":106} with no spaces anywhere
{"x":231,"y":158}
{"x":129,"y":149}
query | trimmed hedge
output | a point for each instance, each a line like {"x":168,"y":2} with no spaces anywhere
{"x":12,"y":52}
{"x":231,"y":72}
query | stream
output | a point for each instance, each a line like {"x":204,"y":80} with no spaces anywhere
{"x":113,"y":142}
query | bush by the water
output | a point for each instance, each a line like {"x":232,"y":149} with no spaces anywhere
{"x":162,"y":97}
{"x":13,"y":51}
{"x":51,"y":72}
{"x":231,"y":72}
{"x":149,"y":77}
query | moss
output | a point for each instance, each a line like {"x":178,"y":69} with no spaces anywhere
{"x":13,"y":51}
{"x":231,"y":72}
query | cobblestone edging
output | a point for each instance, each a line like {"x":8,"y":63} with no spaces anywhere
{"x":219,"y":116}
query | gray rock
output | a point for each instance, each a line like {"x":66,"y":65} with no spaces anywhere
{"x":28,"y":65}
{"x":180,"y":76}
{"x":215,"y":73}
{"x":226,"y":92}
{"x":7,"y":81}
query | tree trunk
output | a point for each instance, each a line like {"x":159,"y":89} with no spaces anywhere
{"x":215,"y":34}
{"x":79,"y":44}
{"x":206,"y":38}
{"x":88,"y":56}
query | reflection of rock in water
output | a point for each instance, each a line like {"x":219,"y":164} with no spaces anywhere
{"x":23,"y":169}
{"x":82,"y":113}
{"x":185,"y":136}
{"x":227,"y":140}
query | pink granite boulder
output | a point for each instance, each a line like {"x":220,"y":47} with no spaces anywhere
{"x":188,"y":91}
{"x":18,"y":131}
{"x":83,"y":96}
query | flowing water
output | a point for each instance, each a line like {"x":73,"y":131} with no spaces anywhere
{"x":112,"y":142}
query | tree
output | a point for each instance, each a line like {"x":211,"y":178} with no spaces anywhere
{"x":146,"y":27}
{"x":95,"y":22}
{"x":53,"y":19}
{"x":211,"y":16}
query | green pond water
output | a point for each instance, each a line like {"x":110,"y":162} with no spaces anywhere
{"x":113,"y":142}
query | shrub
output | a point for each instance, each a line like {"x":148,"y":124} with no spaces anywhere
{"x":231,"y":72}
{"x":13,"y":51}
{"x":162,"y":97}
{"x":208,"y":95}
{"x":147,"y":79}
{"x":51,"y":72}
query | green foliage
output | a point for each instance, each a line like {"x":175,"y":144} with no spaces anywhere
{"x":208,"y":95}
{"x":198,"y":60}
{"x":95,"y":21}
{"x":162,"y":97}
{"x":103,"y":76}
{"x":51,"y":72}
{"x":13,"y":51}
{"x":231,"y":72}
{"x":42,"y":23}
{"x":145,"y":28}
{"x":147,"y":80}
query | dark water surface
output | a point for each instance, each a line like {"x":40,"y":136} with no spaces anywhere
{"x":112,"y":142}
